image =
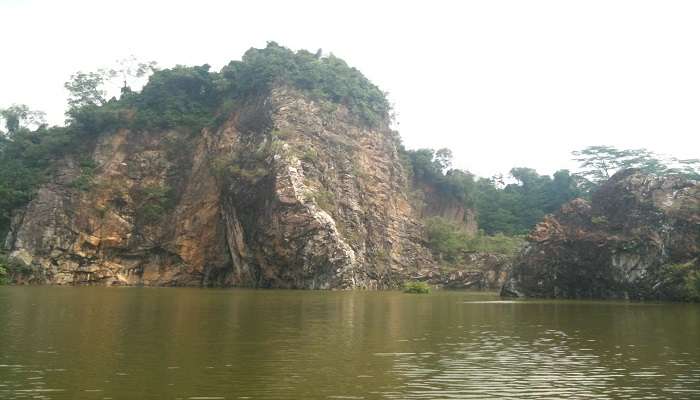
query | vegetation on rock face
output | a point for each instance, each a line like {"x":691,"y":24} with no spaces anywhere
{"x":327,"y":78}
{"x":450,"y":242}
{"x":182,"y":97}
{"x":191,"y":98}
{"x":515,"y":207}
{"x":624,"y":242}
{"x":416,"y":287}
{"x":686,"y":278}
{"x":10,"y":267}
{"x":509,"y":209}
{"x":155,"y":201}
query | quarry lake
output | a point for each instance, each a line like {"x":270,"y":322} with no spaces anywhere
{"x":163,"y":343}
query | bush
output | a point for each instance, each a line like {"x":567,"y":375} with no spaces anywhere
{"x":4,"y":280}
{"x":155,"y":201}
{"x":416,"y":287}
{"x":684,"y":280}
{"x":449,"y":241}
{"x":87,"y":175}
{"x":324,"y":199}
{"x":498,"y":243}
{"x":177,"y":97}
{"x":10,"y":267}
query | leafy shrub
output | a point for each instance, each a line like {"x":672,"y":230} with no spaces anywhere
{"x":309,"y":155}
{"x":684,"y":280}
{"x":324,"y":199}
{"x":498,"y":243}
{"x":155,"y":201}
{"x":177,"y":97}
{"x":87,"y":175}
{"x":416,"y":287}
{"x":10,"y":267}
{"x":449,"y":241}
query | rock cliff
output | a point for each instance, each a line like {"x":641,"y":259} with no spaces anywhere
{"x":639,"y":238}
{"x":287,"y":192}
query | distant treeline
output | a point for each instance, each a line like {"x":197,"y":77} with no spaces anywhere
{"x":513,"y":205}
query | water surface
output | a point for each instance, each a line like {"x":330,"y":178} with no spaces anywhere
{"x":158,"y":343}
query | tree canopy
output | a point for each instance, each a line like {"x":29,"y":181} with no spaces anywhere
{"x":598,"y":163}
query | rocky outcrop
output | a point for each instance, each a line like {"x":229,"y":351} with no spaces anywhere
{"x":476,"y":271}
{"x":639,"y":237}
{"x":287,"y":192}
{"x":431,"y":202}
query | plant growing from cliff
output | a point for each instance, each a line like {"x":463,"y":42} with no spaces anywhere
{"x":324,"y":199}
{"x":4,"y":280}
{"x":10,"y":267}
{"x":87,"y":175}
{"x":416,"y":287}
{"x":154,"y":202}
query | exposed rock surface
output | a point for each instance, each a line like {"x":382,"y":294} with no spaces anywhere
{"x":477,"y":271}
{"x":288,"y":192}
{"x":638,"y":238}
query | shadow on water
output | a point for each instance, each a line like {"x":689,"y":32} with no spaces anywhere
{"x":96,"y":343}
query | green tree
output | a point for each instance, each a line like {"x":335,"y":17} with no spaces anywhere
{"x":598,"y":163}
{"x":19,"y":116}
{"x":86,"y":89}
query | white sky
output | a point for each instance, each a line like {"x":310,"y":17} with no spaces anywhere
{"x":501,"y":83}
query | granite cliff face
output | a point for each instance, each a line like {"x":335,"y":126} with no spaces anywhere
{"x":287,"y":192}
{"x":638,"y":238}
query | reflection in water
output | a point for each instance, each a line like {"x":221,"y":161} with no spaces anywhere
{"x":99,"y":343}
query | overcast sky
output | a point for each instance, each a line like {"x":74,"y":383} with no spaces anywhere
{"x":501,"y":83}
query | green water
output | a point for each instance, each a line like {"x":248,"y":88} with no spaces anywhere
{"x":133,"y":343}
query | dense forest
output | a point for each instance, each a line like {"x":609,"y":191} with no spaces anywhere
{"x":196,"y":97}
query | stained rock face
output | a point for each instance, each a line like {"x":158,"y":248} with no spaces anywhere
{"x":638,"y":238}
{"x":478,"y":271}
{"x":287,"y":192}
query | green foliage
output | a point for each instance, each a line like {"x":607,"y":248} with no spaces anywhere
{"x":326,"y":78}
{"x":87,"y":174}
{"x":19,"y":116}
{"x":4,"y":279}
{"x":497,"y":244}
{"x":684,"y":279}
{"x":450,"y":242}
{"x":446,"y":240}
{"x":432,"y":167}
{"x":599,"y":163}
{"x":25,"y":160}
{"x":416,"y":287}
{"x":178,"y":97}
{"x":9,"y":267}
{"x":154,"y":202}
{"x":599,"y":220}
{"x":515,"y":208}
{"x":248,"y":166}
{"x":324,"y":199}
{"x":85,"y":90}
{"x":309,"y":155}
